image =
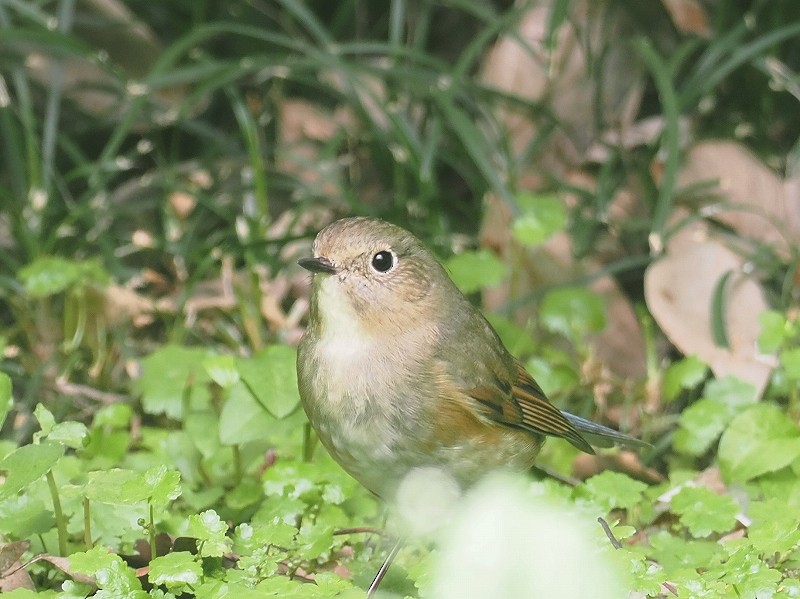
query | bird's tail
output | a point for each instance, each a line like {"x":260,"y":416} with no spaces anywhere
{"x":602,"y":436}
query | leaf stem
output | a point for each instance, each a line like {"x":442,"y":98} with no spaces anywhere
{"x":87,"y":524}
{"x":61,"y":525}
{"x":152,"y":531}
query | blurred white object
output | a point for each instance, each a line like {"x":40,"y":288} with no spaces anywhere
{"x":505,"y":541}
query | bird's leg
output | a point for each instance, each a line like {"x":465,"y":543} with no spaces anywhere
{"x":373,"y":587}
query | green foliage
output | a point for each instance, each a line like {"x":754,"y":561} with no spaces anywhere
{"x":703,"y":422}
{"x":540,"y":218}
{"x":475,"y":270}
{"x":573,"y":312}
{"x":53,"y":275}
{"x":759,"y":440}
{"x":684,"y":374}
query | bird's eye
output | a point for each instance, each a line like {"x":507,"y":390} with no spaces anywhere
{"x":383,"y":261}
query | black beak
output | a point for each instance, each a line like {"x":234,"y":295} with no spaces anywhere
{"x":317,"y":265}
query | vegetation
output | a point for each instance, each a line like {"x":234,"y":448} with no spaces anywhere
{"x":616,"y":182}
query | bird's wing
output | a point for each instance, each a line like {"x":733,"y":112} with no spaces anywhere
{"x":521,"y":403}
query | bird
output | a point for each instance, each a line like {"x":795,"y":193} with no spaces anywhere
{"x":397,"y":369}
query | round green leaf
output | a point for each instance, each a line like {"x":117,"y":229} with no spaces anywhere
{"x":573,"y":311}
{"x":175,"y":570}
{"x":474,"y":270}
{"x":271,"y":376}
{"x":704,"y":512}
{"x":683,"y":374}
{"x":541,"y":217}
{"x":168,"y":375}
{"x":222,"y":370}
{"x":27,"y":464}
{"x":759,"y":440}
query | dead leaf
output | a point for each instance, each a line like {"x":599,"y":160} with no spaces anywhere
{"x":754,"y":200}
{"x":131,"y":47}
{"x":12,"y":571}
{"x":679,"y":289}
{"x":627,"y":462}
{"x":558,"y":78}
{"x":688,"y":16}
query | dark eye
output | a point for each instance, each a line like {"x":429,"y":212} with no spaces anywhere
{"x":383,"y":261}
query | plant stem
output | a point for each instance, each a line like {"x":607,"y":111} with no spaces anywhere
{"x":152,"y":532}
{"x":87,"y":524}
{"x":237,"y":463}
{"x":61,"y":525}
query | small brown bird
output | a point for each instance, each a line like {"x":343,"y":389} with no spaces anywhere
{"x":398,"y":370}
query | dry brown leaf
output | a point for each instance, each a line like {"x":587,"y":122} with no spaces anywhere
{"x":63,"y":564}
{"x":560,"y":79}
{"x":679,"y":292}
{"x":121,"y":304}
{"x":585,"y":466}
{"x":131,"y":46}
{"x":302,"y":126}
{"x":688,"y":16}
{"x":756,"y":202}
{"x":12,"y":571}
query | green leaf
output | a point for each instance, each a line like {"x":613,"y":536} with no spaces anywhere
{"x":203,"y":428}
{"x":703,"y":422}
{"x":116,"y":486}
{"x":315,"y":541}
{"x":700,"y":425}
{"x":242,"y":418}
{"x":110,"y":572}
{"x":731,"y":391}
{"x":45,"y":418}
{"x":719,"y":310}
{"x":614,"y":490}
{"x":28,"y":464}
{"x":210,"y":533}
{"x":790,"y":360}
{"x":514,"y":337}
{"x":759,"y":440}
{"x":249,"y":538}
{"x":573,"y":312}
{"x":673,"y":552}
{"x":70,"y":433}
{"x":50,"y":275}
{"x":168,"y":375}
{"x":271,"y":375}
{"x":222,"y":370}
{"x":683,"y":374}
{"x":774,"y":529}
{"x":704,"y":512}
{"x":162,"y":484}
{"x":6,"y":397}
{"x":774,"y":331}
{"x":175,"y":570}
{"x":552,"y":377}
{"x":114,"y":416}
{"x":23,"y":516}
{"x":473,"y":270}
{"x":540,"y":218}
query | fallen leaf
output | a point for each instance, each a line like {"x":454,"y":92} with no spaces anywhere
{"x":679,"y":290}
{"x":688,"y":16}
{"x":754,"y":200}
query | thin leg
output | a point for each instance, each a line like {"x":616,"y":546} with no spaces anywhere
{"x":376,"y":582}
